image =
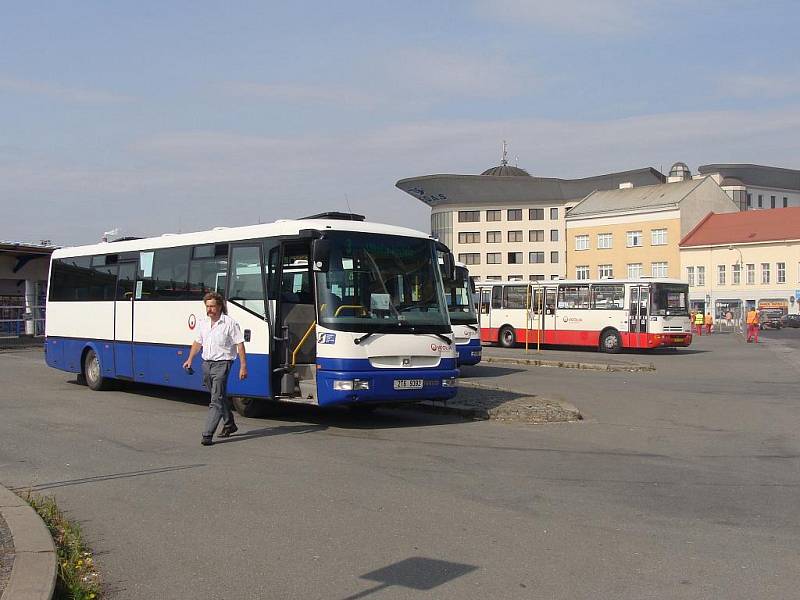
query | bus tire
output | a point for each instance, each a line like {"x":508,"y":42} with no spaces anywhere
{"x":507,"y":337}
{"x":610,"y":341}
{"x":247,"y":407}
{"x":93,"y":372}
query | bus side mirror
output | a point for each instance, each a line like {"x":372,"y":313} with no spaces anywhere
{"x":448,"y":262}
{"x":321,"y":254}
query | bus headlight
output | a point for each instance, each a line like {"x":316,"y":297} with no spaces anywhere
{"x":349,"y":385}
{"x":449,"y":382}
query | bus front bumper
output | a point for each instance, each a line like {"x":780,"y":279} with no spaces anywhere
{"x":385,"y":386}
{"x":671,"y":340}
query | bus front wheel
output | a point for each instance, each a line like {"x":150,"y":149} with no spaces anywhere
{"x":93,"y":373}
{"x":610,"y":342}
{"x":507,"y":337}
{"x":247,"y":407}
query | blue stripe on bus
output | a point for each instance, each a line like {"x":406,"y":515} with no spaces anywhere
{"x":363,"y":364}
{"x":465,"y":352}
{"x":158,"y":364}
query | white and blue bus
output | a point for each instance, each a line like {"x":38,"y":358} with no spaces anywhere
{"x":333,"y":310}
{"x":460,"y":293}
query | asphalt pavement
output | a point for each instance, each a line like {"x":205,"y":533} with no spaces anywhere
{"x":682,"y":482}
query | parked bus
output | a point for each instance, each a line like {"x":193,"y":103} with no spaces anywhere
{"x":460,"y":295}
{"x":607,"y":314}
{"x":333,"y":310}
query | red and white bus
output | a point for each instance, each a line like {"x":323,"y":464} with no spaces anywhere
{"x":607,"y":314}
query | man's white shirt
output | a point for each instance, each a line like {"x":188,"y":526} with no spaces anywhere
{"x":219,"y":342}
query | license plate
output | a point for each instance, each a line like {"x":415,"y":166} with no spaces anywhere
{"x":678,"y":338}
{"x":408,"y":384}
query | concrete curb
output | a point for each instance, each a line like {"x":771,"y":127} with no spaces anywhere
{"x":566,"y":364}
{"x":33,"y":575}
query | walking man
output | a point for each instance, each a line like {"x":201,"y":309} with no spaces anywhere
{"x":753,"y":322}
{"x":709,"y":323}
{"x":221,"y":340}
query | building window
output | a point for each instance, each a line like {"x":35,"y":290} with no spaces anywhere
{"x":781,"y":272}
{"x":634,"y":239}
{"x":701,"y":276}
{"x":470,"y":258}
{"x":658,"y":269}
{"x":515,"y":258}
{"x":751,"y":274}
{"x":554,"y":214}
{"x":749,"y":200}
{"x":536,"y":235}
{"x":494,"y":237}
{"x":635,"y":271}
{"x":690,"y":275}
{"x":555,"y":277}
{"x":514,"y":214}
{"x":582,"y":272}
{"x":536,"y":214}
{"x":554,"y":235}
{"x":536,"y":277}
{"x":535,"y":257}
{"x":760,"y":201}
{"x":494,"y":258}
{"x":554,"y":257}
{"x":785,"y":202}
{"x":494,"y":278}
{"x":515,"y":278}
{"x":469,"y":237}
{"x":605,"y":271}
{"x":604,"y":240}
{"x":772,"y":201}
{"x":720,"y":274}
{"x":515,"y":236}
{"x":469,"y":216}
{"x":765,"y":273}
{"x":658,"y":237}
{"x":494,"y":215}
{"x":736,"y":271}
{"x":581,"y":242}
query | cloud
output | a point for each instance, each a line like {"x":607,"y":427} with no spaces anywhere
{"x":575,"y":16}
{"x":59,"y":92}
{"x":196,"y":180}
{"x":301,"y":93}
{"x":745,"y":85}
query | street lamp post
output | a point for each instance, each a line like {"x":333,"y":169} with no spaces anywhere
{"x":741,"y":298}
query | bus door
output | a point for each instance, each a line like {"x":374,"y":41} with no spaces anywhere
{"x":638,"y":316}
{"x":544,"y":313}
{"x":294,"y":350}
{"x":123,"y":320}
{"x":484,"y":306}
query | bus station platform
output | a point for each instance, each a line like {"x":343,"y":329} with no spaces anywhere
{"x":568,"y":358}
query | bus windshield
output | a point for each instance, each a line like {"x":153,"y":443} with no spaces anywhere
{"x":458,"y":294}
{"x":670,"y":299}
{"x":382,"y":283}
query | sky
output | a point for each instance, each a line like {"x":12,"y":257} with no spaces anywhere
{"x":157,"y":117}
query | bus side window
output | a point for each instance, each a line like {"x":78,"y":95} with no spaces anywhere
{"x":497,"y":296}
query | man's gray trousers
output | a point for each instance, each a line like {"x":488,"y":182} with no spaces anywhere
{"x":215,"y":378}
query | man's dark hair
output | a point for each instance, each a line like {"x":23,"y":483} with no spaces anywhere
{"x":219,"y":299}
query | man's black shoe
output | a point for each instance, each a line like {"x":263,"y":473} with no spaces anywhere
{"x":228,"y":430}
{"x":207,"y":441}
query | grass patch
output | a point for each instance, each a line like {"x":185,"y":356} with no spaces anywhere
{"x":77,"y":578}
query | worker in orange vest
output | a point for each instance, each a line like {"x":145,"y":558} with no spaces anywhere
{"x":709,"y":323}
{"x":752,"y":325}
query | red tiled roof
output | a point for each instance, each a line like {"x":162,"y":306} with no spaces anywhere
{"x":743,"y":227}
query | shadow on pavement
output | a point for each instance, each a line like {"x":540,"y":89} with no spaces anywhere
{"x":415,"y":573}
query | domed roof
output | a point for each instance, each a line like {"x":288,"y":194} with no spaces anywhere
{"x":504,"y":170}
{"x":680,"y":169}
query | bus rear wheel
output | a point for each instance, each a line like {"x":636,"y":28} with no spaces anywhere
{"x":507,"y":337}
{"x":93,"y":373}
{"x":610,"y":342}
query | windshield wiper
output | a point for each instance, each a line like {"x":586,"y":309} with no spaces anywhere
{"x":444,"y":337}
{"x":471,"y":326}
{"x":360,"y":339}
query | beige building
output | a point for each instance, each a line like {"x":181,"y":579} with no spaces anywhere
{"x":635,"y":231}
{"x":744,"y":260}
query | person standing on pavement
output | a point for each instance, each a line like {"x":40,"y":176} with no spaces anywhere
{"x":221,"y":339}
{"x":698,"y":322}
{"x":709,"y":323}
{"x":753,"y":323}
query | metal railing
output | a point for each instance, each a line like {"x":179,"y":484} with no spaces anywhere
{"x":17,"y":320}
